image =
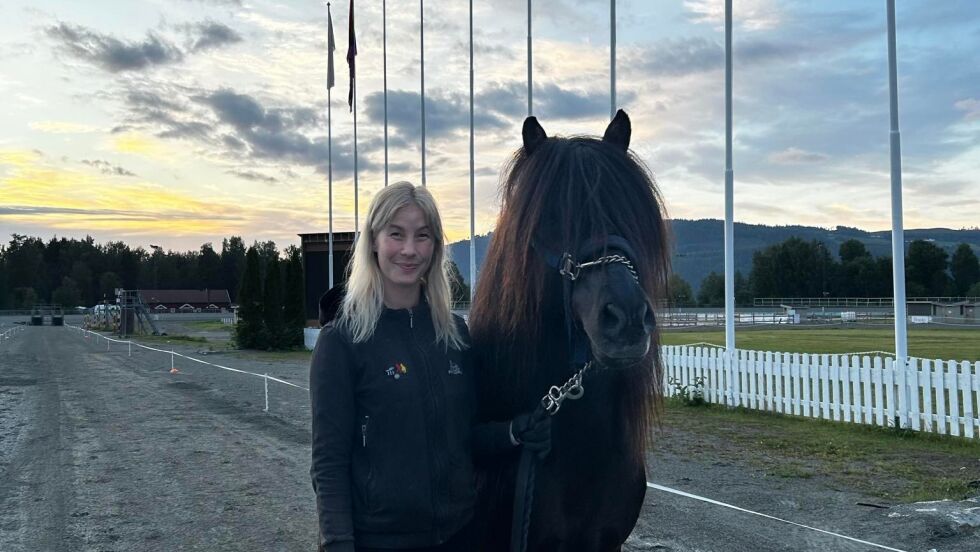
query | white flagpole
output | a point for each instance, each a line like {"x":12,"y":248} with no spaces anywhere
{"x":329,"y":167}
{"x":729,"y":194}
{"x":898,"y":232}
{"x":472,"y":173}
{"x":357,"y":224}
{"x":529,"y":80}
{"x":422,"y":84}
{"x":612,"y":58}
{"x":384,"y":56}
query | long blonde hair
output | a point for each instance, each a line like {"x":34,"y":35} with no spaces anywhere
{"x":364,"y":300}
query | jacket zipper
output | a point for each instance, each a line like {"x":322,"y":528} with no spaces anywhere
{"x":364,"y":428}
{"x":411,"y":319}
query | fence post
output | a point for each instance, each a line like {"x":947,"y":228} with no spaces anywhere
{"x":171,"y":359}
{"x":107,"y":344}
{"x":265,"y":378}
{"x":129,"y":347}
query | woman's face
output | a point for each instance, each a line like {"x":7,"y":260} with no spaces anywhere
{"x":404,"y":249}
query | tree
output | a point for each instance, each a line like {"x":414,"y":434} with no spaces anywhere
{"x":293,"y":294}
{"x":272,"y":315}
{"x":743,"y":290}
{"x":974,"y":290}
{"x":852,"y":249}
{"x":24,"y":297}
{"x":965,"y":269}
{"x":793,"y":268}
{"x":248,"y":331}
{"x":712,"y":292}
{"x":926,"y":269}
{"x":460,"y":290}
{"x":679,"y":292}
{"x":208,"y":268}
{"x":108,"y":283}
{"x":67,"y":294}
{"x":232,"y":264}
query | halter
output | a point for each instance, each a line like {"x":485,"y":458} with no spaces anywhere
{"x":570,"y":270}
{"x":580,"y":353}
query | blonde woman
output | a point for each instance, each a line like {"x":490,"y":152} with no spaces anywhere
{"x":392,"y":394}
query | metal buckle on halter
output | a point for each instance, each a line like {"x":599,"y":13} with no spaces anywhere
{"x":568,"y":267}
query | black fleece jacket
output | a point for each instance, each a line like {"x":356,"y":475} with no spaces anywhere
{"x":393,"y":435}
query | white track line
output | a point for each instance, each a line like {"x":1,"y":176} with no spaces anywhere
{"x":733,"y":507}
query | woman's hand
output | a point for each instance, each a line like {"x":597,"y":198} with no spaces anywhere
{"x":532,"y":430}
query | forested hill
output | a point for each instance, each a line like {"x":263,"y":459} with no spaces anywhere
{"x":699,"y":244}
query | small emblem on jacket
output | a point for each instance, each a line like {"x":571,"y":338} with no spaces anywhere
{"x":396,"y":371}
{"x":454,"y":369}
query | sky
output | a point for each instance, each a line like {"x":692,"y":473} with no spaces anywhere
{"x":180,"y":122}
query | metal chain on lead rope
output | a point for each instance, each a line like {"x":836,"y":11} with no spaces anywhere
{"x":571,"y":390}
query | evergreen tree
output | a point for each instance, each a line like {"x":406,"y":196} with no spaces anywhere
{"x":293,"y":293}
{"x":712,"y":292}
{"x":208,"y":269}
{"x":743,"y":290}
{"x":272,"y":312}
{"x":679,"y":292}
{"x":249,"y":330}
{"x":232,"y":264}
{"x":67,"y":294}
{"x":965,"y":269}
{"x":926,"y":269}
{"x":460,"y":290}
{"x":852,"y":249}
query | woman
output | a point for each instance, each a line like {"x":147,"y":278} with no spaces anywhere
{"x":392,"y":394}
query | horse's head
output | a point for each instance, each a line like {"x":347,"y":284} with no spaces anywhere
{"x":601,"y":230}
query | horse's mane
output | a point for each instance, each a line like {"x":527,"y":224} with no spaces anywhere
{"x":569,"y":191}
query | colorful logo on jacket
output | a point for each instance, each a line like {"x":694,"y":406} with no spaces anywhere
{"x":396,"y":371}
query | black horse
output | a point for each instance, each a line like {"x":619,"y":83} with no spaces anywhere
{"x":569,"y":201}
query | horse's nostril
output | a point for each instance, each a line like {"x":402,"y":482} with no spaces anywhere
{"x":613,"y":319}
{"x":649,"y":322}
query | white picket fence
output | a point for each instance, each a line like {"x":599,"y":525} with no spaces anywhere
{"x":926,"y":395}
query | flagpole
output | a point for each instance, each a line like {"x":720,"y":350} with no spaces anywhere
{"x":330,"y":157}
{"x":384,"y":64}
{"x":898,"y":232}
{"x":422,"y":52}
{"x":729,"y":193}
{"x":472,"y":173}
{"x":612,"y":58}
{"x":529,"y":91}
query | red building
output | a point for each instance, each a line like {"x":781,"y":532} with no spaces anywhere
{"x":186,"y":300}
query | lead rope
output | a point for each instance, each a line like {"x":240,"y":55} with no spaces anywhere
{"x":551,"y":402}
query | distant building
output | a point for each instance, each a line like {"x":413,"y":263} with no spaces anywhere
{"x":316,"y":268}
{"x":186,"y":300}
{"x":953,"y":311}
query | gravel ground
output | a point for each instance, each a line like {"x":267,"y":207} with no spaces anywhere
{"x":102,"y":451}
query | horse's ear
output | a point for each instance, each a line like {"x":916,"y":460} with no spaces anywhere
{"x":618,"y":132}
{"x":533,"y":134}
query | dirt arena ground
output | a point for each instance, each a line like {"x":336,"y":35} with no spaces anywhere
{"x":102,"y":451}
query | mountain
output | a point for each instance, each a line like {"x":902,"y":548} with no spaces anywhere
{"x":699,"y":244}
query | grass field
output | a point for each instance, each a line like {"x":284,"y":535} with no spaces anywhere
{"x":933,"y":343}
{"x":891,"y":464}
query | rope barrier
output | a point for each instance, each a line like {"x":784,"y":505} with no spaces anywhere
{"x":767,"y":516}
{"x":265,"y":377}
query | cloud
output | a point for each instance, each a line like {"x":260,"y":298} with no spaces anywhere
{"x":755,"y":15}
{"x":211,"y":34}
{"x":111,"y":53}
{"x":255,"y":176}
{"x":63,"y":127}
{"x":445,"y":114}
{"x":108,"y":168}
{"x":971,"y":107}
{"x":690,"y":55}
{"x":796,"y":156}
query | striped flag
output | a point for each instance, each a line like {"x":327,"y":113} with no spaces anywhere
{"x":351,"y":54}
{"x":331,"y":46}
